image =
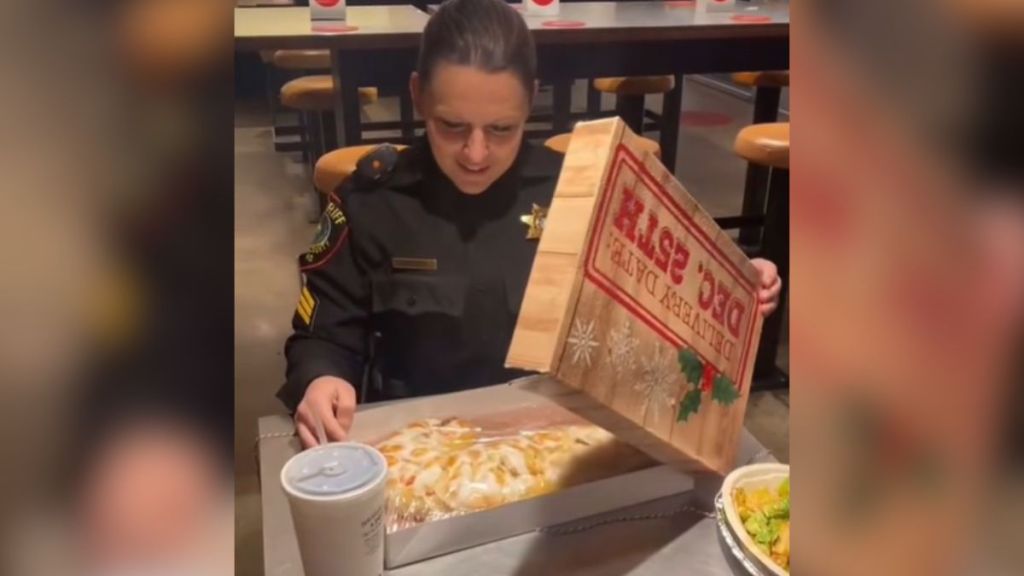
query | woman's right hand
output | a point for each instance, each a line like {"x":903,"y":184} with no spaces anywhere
{"x":332,"y":401}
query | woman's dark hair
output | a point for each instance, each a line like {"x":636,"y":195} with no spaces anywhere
{"x":485,"y":34}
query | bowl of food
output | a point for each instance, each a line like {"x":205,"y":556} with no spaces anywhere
{"x":753,"y":510}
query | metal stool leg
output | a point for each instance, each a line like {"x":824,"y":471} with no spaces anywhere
{"x":329,"y":132}
{"x":671,"y":110}
{"x":312,"y":137}
{"x":405,"y":111}
{"x":324,"y":132}
{"x":766,"y":109}
{"x":561,"y":104}
{"x":308,"y":137}
{"x":766,"y":104}
{"x":753,"y":203}
{"x":593,"y":100}
{"x":272,"y":92}
{"x":631,"y":110}
{"x":776,"y":249}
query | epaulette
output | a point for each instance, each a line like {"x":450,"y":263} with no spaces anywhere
{"x":376,"y":166}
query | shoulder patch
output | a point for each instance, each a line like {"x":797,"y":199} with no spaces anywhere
{"x":331,"y":234}
{"x":376,"y":166}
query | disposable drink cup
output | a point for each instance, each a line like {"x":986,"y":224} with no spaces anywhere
{"x":337,"y":494}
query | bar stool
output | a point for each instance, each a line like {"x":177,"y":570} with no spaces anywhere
{"x":313,"y":97}
{"x":285,"y":65}
{"x":767,"y":88}
{"x":313,"y":61}
{"x":630,"y":93}
{"x":334,"y":167}
{"x":767,"y":145}
{"x":302,"y":60}
{"x":560,"y":143}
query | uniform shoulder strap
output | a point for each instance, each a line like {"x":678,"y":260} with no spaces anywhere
{"x":375,"y":167}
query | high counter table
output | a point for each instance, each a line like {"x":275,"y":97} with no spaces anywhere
{"x":656,"y":38}
{"x":289,"y":27}
{"x":614,"y":39}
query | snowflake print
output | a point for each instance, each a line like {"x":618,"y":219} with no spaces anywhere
{"x":583,"y":341}
{"x":657,"y":383}
{"x":622,"y":348}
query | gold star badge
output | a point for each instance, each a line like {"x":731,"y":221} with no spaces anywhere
{"x":534,"y":221}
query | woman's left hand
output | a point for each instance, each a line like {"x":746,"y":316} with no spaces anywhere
{"x":770,"y":288}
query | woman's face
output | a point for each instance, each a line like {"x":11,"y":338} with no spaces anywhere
{"x":474,"y":120}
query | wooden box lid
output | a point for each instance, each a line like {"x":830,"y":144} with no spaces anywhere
{"x":637,"y":298}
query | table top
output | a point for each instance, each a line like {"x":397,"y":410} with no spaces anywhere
{"x":291,"y":27}
{"x":400,"y":26}
{"x":258,"y":3}
{"x":615,"y":543}
{"x":657,"y":21}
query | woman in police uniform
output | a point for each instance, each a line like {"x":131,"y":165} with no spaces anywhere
{"x":422,"y":258}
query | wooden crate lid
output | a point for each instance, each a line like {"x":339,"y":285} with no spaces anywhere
{"x":625,"y":246}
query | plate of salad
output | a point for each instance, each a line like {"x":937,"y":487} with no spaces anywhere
{"x":754,"y":507}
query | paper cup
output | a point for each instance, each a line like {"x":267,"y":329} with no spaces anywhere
{"x":337,"y":494}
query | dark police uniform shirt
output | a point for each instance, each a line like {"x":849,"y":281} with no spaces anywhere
{"x":415,"y":280}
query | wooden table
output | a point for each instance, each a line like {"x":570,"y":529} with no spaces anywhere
{"x":643,"y":540}
{"x":616,"y":39}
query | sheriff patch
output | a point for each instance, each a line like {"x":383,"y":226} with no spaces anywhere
{"x":331,"y":233}
{"x":306,"y":308}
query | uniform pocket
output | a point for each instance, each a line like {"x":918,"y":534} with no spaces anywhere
{"x":415,"y":294}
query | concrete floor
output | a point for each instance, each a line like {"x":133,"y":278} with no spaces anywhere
{"x":273,"y":201}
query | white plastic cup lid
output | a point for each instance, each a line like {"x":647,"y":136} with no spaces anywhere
{"x":333,"y":469}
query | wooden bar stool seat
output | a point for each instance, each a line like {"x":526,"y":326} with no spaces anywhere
{"x":767,"y":87}
{"x":316,"y":93}
{"x":284,"y":65}
{"x":634,"y":85}
{"x":302,"y":59}
{"x":313,"y":96}
{"x":764,"y":144}
{"x":334,"y":167}
{"x":766,"y":79}
{"x":560,"y":143}
{"x":630,"y":92}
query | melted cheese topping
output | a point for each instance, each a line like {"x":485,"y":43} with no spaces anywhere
{"x":441,"y":468}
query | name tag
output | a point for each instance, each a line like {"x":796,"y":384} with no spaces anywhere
{"x":421,"y":264}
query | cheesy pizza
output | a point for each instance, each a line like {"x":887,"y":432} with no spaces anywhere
{"x":443,"y":468}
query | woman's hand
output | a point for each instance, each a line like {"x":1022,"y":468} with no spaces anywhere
{"x":331,"y":401}
{"x":770,"y":288}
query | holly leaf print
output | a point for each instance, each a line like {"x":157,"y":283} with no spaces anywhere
{"x":691,"y":365}
{"x":724,"y":391}
{"x":689,"y":405}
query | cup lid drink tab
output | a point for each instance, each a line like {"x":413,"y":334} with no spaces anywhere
{"x":333,"y":470}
